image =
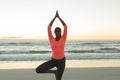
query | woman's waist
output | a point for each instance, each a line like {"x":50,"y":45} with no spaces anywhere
{"x":58,"y":55}
{"x":58,"y":59}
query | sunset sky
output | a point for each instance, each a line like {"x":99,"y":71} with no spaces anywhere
{"x":86,"y":19}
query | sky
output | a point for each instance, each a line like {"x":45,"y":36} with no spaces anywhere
{"x":86,"y":19}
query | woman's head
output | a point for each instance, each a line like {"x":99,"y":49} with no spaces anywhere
{"x":57,"y":32}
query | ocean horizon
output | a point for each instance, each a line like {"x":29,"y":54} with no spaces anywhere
{"x":34,"y":50}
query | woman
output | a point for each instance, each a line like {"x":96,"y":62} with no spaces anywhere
{"x":57,"y":45}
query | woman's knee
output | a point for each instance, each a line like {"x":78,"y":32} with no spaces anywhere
{"x":39,"y":70}
{"x":43,"y":67}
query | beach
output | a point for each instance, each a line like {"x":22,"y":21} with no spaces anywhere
{"x":75,"y":70}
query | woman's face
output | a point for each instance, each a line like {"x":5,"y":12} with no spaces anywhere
{"x":58,"y":32}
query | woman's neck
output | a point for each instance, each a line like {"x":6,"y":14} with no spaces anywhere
{"x":57,"y":38}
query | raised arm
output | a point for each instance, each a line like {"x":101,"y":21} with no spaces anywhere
{"x":49,"y":28}
{"x":51,"y":22}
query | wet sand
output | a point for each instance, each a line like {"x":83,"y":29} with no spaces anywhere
{"x":75,"y":70}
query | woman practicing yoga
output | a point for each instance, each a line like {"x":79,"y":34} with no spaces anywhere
{"x":57,"y":45}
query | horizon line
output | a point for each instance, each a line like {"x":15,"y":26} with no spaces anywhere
{"x":45,"y":38}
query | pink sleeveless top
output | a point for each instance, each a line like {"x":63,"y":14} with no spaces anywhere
{"x":57,"y":46}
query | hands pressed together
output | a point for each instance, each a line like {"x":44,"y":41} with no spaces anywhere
{"x":57,"y":14}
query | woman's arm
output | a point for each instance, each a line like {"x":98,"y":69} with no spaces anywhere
{"x":49,"y":28}
{"x":51,"y":22}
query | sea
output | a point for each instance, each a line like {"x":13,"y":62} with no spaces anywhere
{"x":36,"y":50}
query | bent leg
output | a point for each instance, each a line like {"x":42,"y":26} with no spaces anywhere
{"x":44,"y":68}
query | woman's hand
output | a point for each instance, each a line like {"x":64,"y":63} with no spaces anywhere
{"x":57,"y":14}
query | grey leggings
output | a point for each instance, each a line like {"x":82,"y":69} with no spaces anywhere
{"x":60,"y":64}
